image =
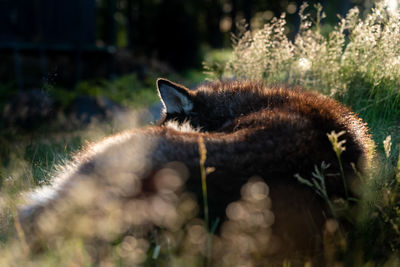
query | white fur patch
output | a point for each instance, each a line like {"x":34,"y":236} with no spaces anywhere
{"x":184,"y":127}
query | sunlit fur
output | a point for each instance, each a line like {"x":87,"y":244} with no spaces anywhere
{"x":248,"y":130}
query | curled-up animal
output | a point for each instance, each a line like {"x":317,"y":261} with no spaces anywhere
{"x":249,"y":130}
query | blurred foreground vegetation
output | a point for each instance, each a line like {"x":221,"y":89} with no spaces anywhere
{"x":358,"y":63}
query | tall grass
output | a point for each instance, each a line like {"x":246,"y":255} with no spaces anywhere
{"x":358,"y":62}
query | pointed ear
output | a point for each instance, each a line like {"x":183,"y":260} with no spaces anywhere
{"x":175,"y":97}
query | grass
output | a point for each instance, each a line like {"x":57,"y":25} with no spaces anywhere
{"x":357,"y":63}
{"x":29,"y":160}
{"x":126,"y":90}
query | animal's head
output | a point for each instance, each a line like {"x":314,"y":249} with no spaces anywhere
{"x":211,"y":107}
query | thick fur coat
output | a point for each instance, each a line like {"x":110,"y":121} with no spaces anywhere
{"x":248,"y":130}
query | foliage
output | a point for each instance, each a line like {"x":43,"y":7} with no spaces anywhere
{"x":127,"y":90}
{"x":357,"y":62}
{"x":215,"y":61}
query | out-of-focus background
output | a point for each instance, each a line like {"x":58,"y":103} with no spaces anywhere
{"x":63,"y":42}
{"x":53,"y":52}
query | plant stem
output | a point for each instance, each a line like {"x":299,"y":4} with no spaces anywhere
{"x":203,"y":156}
{"x":343,"y":178}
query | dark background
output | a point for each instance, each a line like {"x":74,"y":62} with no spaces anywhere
{"x":65,"y":41}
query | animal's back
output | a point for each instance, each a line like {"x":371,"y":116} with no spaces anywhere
{"x":286,"y":126}
{"x":273,"y":133}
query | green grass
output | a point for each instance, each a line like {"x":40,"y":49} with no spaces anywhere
{"x":358,"y":63}
{"x":126,"y":90}
{"x":30,"y":159}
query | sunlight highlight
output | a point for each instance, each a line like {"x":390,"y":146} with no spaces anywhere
{"x":392,"y":6}
{"x":304,"y":64}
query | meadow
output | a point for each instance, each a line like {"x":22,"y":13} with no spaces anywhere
{"x":357,"y":62}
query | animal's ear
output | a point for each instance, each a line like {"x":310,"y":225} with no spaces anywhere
{"x":175,"y":97}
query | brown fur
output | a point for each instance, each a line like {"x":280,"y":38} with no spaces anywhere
{"x":248,"y":130}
